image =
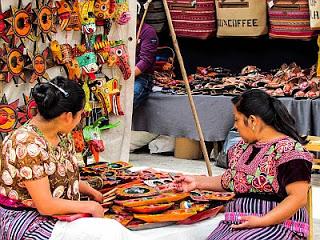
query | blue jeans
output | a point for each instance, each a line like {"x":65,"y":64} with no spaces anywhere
{"x":142,"y":89}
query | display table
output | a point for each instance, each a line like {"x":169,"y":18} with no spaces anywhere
{"x":171,"y":115}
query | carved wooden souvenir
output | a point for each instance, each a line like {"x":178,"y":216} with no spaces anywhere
{"x":122,"y":14}
{"x":88,"y":63}
{"x":39,"y":65}
{"x":163,"y":198}
{"x":104,"y":10}
{"x":68,"y":15}
{"x":218,"y":196}
{"x":21,"y":23}
{"x":119,"y":56}
{"x":45,"y":19}
{"x":8,"y":115}
{"x":87,"y":18}
{"x":56,"y":51}
{"x":123,"y":219}
{"x":168,"y":216}
{"x":153,"y":208}
{"x":28,"y":110}
{"x":119,"y":165}
{"x":78,"y":140}
{"x":13,"y":63}
{"x":119,"y":210}
{"x":73,"y":70}
{"x":202,"y":215}
{"x":136,"y":191}
{"x":151,"y":174}
{"x":197,"y":196}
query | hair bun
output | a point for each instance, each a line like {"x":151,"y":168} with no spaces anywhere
{"x":45,"y":95}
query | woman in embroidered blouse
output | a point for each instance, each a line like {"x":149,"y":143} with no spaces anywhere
{"x":39,"y":176}
{"x":269,"y":171}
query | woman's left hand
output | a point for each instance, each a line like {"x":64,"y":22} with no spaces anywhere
{"x":249,"y":222}
{"x":97,"y":196}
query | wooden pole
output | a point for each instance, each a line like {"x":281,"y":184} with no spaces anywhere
{"x":146,"y":7}
{"x":186,"y":82}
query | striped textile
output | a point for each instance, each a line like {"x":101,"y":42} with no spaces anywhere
{"x":193,"y":19}
{"x":295,"y":228}
{"x":290,"y":20}
{"x":24,"y":224}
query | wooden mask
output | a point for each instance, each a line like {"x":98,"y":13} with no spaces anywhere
{"x":8,"y":115}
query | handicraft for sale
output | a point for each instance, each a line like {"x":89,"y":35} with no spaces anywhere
{"x":68,"y":15}
{"x":8,"y":115}
{"x":87,"y":18}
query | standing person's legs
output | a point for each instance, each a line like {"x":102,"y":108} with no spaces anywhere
{"x":142,"y":89}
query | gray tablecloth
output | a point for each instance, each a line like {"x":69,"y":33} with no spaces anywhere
{"x":171,"y":115}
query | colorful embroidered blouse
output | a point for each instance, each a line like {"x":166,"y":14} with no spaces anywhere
{"x":26,"y":155}
{"x":266,"y":168}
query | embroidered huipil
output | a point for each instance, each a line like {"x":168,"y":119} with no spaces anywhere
{"x":258,"y":174}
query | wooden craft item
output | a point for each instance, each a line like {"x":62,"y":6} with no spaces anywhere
{"x":119,"y":210}
{"x":123,"y":219}
{"x":168,"y":216}
{"x":157,"y":182}
{"x":163,"y":198}
{"x":202,"y":215}
{"x":119,"y":165}
{"x":154,"y":208}
{"x":107,"y":204}
{"x":8,"y":115}
{"x":109,"y":198}
{"x":111,"y":192}
{"x":218,"y":196}
{"x":136,"y":191}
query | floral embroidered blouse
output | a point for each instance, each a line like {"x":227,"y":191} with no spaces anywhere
{"x":26,"y":155}
{"x":266,"y":168}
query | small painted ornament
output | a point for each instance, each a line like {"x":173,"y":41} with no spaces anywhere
{"x":8,"y":115}
{"x":13,"y":63}
{"x":108,"y":94}
{"x":87,"y":18}
{"x":68,"y":14}
{"x":45,"y":20}
{"x":21,"y":23}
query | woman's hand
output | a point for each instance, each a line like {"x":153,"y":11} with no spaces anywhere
{"x":185,"y":183}
{"x":95,"y":209}
{"x":97,"y":196}
{"x":249,"y":222}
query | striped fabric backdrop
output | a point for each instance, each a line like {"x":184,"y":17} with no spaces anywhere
{"x":193,"y":19}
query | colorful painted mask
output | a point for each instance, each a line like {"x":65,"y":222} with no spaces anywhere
{"x":102,"y":48}
{"x":45,"y":19}
{"x":104,"y":10}
{"x":14,"y":63}
{"x":87,"y":18}
{"x":119,"y":56}
{"x":88,"y":62}
{"x":39,"y":65}
{"x":73,"y":69}
{"x":21,"y":23}
{"x":68,"y":15}
{"x":8,"y":115}
{"x":56,"y":51}
{"x":27,"y":111}
{"x":4,"y":25}
{"x":108,"y":94}
{"x":78,"y":140}
{"x":66,"y":53}
{"x":122,"y":15}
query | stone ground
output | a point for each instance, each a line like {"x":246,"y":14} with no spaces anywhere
{"x":199,"y":167}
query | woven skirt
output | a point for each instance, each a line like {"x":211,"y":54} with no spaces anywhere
{"x":24,"y":224}
{"x":295,"y":228}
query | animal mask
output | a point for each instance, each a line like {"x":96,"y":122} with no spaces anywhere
{"x":21,"y":23}
{"x":88,"y":62}
{"x":108,"y":94}
{"x":73,"y":69}
{"x":119,"y":56}
{"x":104,"y":10}
{"x":8,"y":115}
{"x":56,"y":51}
{"x":87,"y":18}
{"x":68,"y":15}
{"x":122,"y":15}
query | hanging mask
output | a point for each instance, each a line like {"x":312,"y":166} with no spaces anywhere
{"x":68,"y":15}
{"x":21,"y":23}
{"x":73,"y":69}
{"x":88,"y":62}
{"x":45,"y":19}
{"x":56,"y":51}
{"x":4,"y":25}
{"x":102,"y":49}
{"x":87,"y":18}
{"x":66,"y":53}
{"x":108,"y":94}
{"x":86,"y":89}
{"x":8,"y":115}
{"x":104,"y":10}
{"x":119,"y":56}
{"x":78,"y":140}
{"x":122,"y":15}
{"x":39,"y":65}
{"x":14,"y":63}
